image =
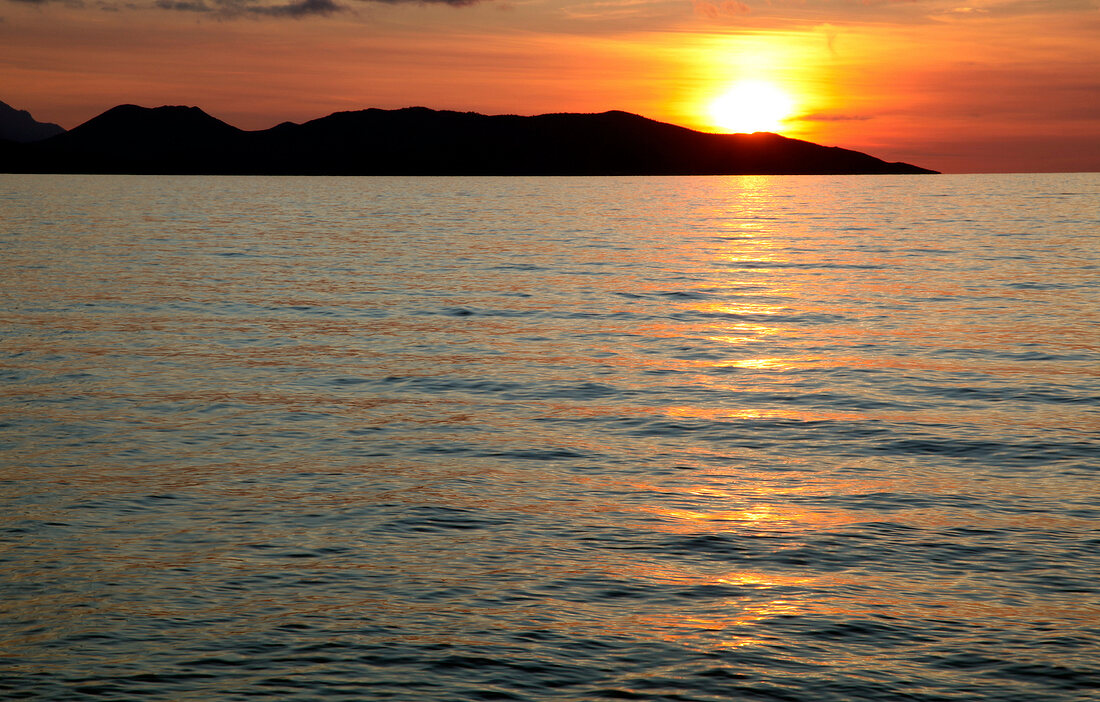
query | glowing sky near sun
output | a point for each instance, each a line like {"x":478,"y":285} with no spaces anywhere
{"x":989,"y":85}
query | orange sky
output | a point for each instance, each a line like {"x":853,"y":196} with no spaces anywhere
{"x":958,"y":86}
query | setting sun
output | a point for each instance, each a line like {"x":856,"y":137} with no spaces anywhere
{"x":752,"y":106}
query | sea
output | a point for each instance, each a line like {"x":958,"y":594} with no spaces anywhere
{"x":685,"y":439}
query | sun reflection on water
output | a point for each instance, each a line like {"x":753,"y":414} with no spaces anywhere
{"x":733,"y":416}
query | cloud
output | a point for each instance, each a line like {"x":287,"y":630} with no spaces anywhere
{"x":831,"y":35}
{"x":302,"y":8}
{"x":183,"y":5}
{"x":831,"y":117}
{"x":713,"y":10}
{"x":296,"y":9}
{"x":228,"y":9}
{"x":452,"y":3}
{"x":1040,"y":7}
{"x":66,"y":3}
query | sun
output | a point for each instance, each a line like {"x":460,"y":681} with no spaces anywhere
{"x":752,"y":106}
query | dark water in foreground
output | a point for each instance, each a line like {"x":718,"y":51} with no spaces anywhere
{"x":550,"y":439}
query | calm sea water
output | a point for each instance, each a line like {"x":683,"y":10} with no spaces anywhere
{"x":757,"y":438}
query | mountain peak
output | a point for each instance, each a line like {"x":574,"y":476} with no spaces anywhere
{"x":128,"y":118}
{"x":20,"y":126}
{"x":422,"y":141}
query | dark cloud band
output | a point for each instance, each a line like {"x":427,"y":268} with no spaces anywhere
{"x":294,"y":9}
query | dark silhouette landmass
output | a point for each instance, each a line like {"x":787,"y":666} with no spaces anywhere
{"x":420,"y":141}
{"x":20,"y":127}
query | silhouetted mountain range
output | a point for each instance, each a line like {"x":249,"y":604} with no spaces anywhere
{"x":420,"y":141}
{"x":19,"y":126}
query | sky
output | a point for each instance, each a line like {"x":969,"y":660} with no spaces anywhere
{"x":954,"y":85}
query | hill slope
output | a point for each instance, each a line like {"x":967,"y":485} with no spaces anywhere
{"x":420,"y":141}
{"x":19,"y":126}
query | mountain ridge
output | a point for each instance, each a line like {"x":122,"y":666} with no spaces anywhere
{"x":19,"y":126}
{"x":176,"y":139}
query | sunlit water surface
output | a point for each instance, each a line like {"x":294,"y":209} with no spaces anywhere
{"x":801,"y":438}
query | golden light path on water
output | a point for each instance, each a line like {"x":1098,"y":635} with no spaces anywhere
{"x":765,"y":506}
{"x":584,"y":437}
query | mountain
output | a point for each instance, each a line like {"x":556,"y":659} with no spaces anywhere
{"x":132,"y":139}
{"x":159,"y":129}
{"x":421,"y":141}
{"x":19,"y":126}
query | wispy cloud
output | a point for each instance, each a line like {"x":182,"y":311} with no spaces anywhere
{"x":714,"y":10}
{"x":832,"y":117}
{"x":302,"y":8}
{"x":236,"y":8}
{"x":228,"y":9}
